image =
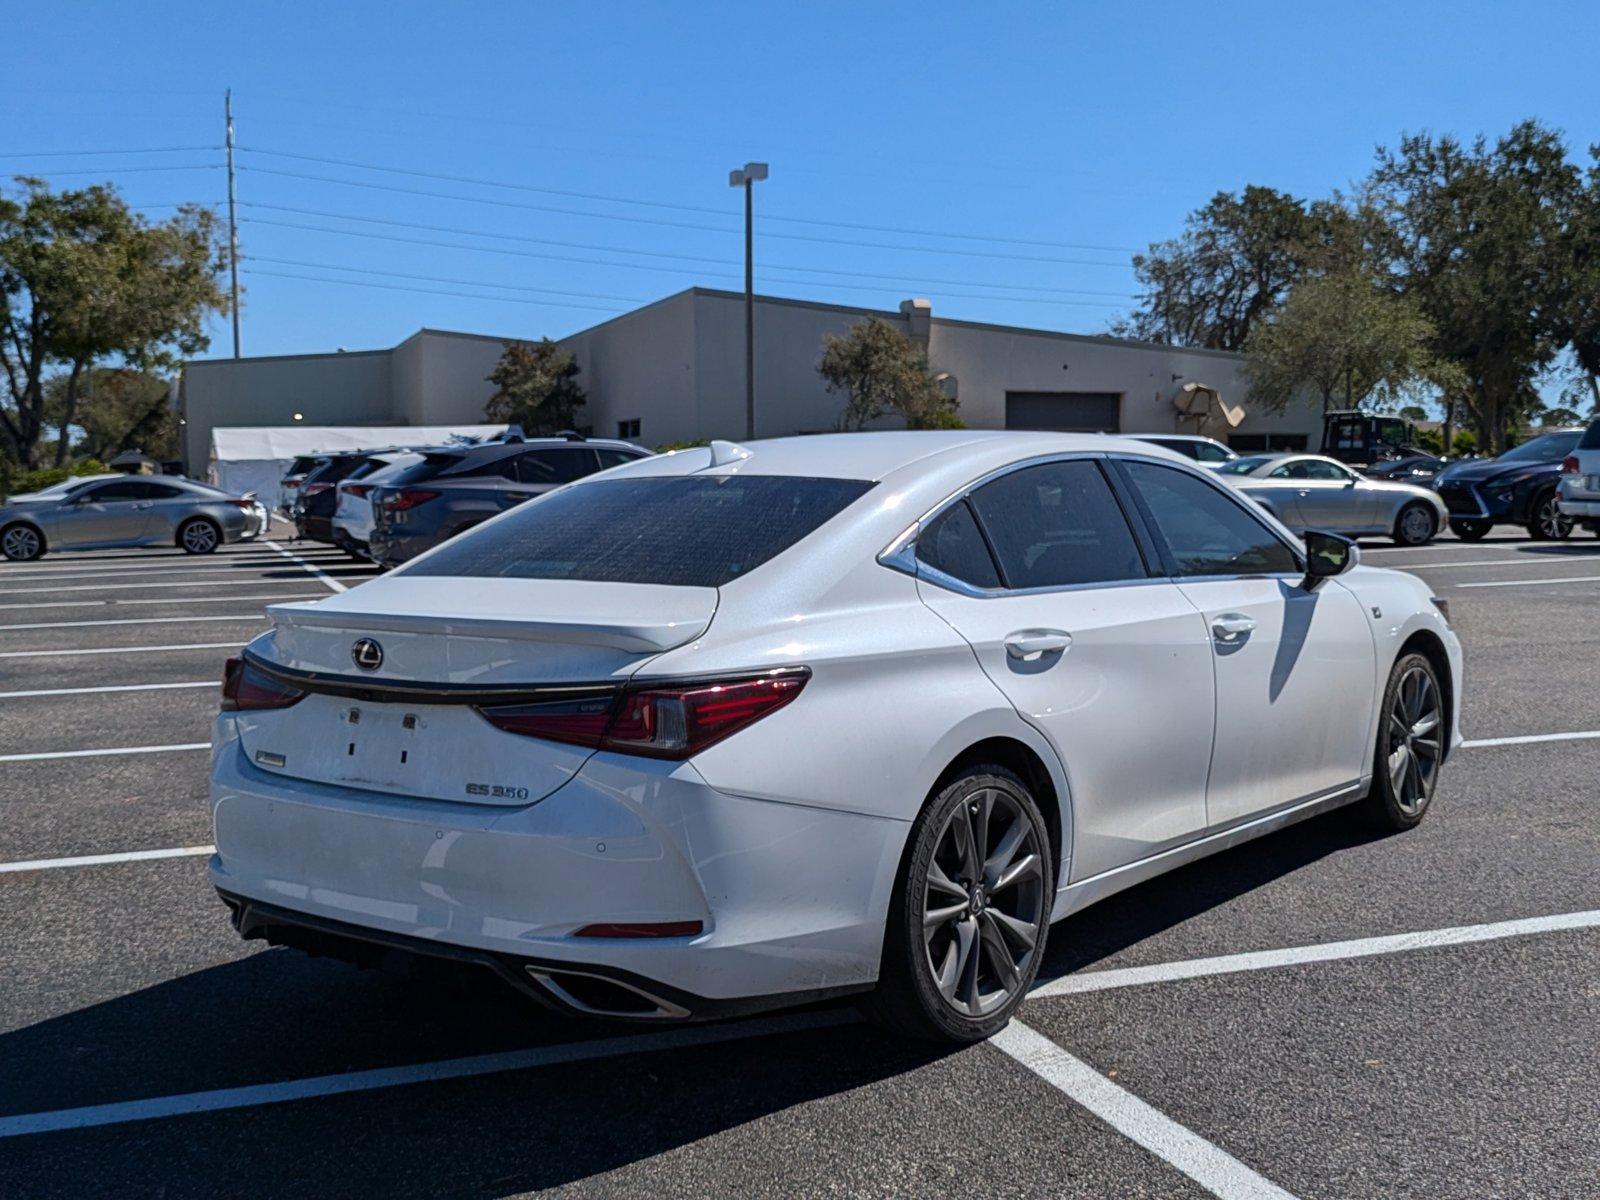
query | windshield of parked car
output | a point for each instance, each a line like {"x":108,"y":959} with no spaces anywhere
{"x":687,"y":531}
{"x":1243,"y":466}
{"x":1549,"y":447}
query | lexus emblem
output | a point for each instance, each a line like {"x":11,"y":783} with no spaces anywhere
{"x":366,"y":654}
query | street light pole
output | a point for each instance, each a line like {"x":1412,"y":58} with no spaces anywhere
{"x":747,"y":178}
{"x":233,"y":222}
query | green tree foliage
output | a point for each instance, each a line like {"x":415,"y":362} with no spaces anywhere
{"x":1480,"y":236}
{"x":1557,"y":416}
{"x":118,"y":409}
{"x":1412,"y":412}
{"x":1234,"y":263}
{"x":536,"y":386}
{"x":1346,"y":340}
{"x":884,"y":373}
{"x":85,"y":279}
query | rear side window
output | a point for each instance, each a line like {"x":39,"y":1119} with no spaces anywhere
{"x":164,"y":491}
{"x":1591,"y":437}
{"x":952,"y":544}
{"x":1207,"y":532}
{"x":685,"y":531}
{"x":554,"y":466}
{"x":1057,"y":524}
{"x":615,"y":458}
{"x":430,"y":466}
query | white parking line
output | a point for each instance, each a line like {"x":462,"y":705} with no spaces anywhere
{"x":123,"y":687}
{"x":141,"y":587}
{"x":221,"y":1099}
{"x":234,"y":564}
{"x":1525,"y":561}
{"x":119,"y":650}
{"x":137,"y":621}
{"x":118,"y":603}
{"x":1208,"y":1165}
{"x":1527,"y":739}
{"x":5,"y":758}
{"x":1260,"y":960}
{"x":311,"y":567}
{"x":100,"y":860}
{"x":1528,"y":582}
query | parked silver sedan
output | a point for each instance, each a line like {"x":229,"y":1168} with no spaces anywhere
{"x":1308,"y":491}
{"x":102,"y":511}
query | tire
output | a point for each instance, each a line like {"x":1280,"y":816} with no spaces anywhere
{"x":1002,"y":924}
{"x":1471,"y":531}
{"x":1411,"y":733}
{"x":1416,"y":525}
{"x":199,"y":535}
{"x":1549,"y":523}
{"x":21,"y":542}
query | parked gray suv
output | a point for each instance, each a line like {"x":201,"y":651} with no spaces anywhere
{"x":455,"y":488}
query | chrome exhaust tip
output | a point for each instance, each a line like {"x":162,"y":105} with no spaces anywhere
{"x":602,"y":996}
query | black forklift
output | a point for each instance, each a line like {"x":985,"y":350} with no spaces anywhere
{"x":1363,"y":439}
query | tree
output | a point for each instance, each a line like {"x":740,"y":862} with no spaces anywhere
{"x":882,"y":373}
{"x":118,"y":409}
{"x":1234,"y":263}
{"x":83,"y":278}
{"x":536,"y":387}
{"x":1346,"y":340}
{"x":1583,"y":299}
{"x":1481,"y":237}
{"x":1414,"y":413}
{"x":1558,"y":416}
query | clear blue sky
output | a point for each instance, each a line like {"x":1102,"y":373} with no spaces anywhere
{"x":1078,"y":131}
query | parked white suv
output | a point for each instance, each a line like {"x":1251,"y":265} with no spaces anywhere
{"x":1578,"y":493}
{"x":1208,"y":452}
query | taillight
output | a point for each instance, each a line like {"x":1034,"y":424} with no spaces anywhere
{"x":244,"y":688}
{"x":247,"y":505}
{"x":672,"y":721}
{"x":408,"y":498}
{"x":313,"y":488}
{"x":1569,"y":465}
{"x":358,"y":489}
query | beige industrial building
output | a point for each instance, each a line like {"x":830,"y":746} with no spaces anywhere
{"x":673,"y":371}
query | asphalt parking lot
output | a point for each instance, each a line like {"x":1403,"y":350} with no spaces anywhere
{"x":1320,"y":1013}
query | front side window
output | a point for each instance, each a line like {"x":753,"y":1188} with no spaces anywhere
{"x":1057,"y":524}
{"x":1246,"y":466}
{"x":1207,"y":532}
{"x":952,"y":544}
{"x":684,"y":530}
{"x":554,"y":466}
{"x":614,"y":458}
{"x":1206,"y":452}
{"x":122,"y":489}
{"x":1333,"y":472}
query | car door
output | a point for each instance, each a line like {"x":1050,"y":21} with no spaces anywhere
{"x":537,"y":471}
{"x":1109,"y":662}
{"x":107,"y":514}
{"x":1294,"y":666}
{"x":166,"y":506}
{"x":1330,"y":497}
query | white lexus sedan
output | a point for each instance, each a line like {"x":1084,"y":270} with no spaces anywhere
{"x":743,"y":726}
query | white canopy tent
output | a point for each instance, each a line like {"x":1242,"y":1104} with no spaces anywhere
{"x":252,"y":458}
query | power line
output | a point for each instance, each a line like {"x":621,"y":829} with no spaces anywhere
{"x":427,"y":291}
{"x":801,"y":237}
{"x":90,"y":153}
{"x":524,"y":187}
{"x":882,"y":278}
{"x":513,"y":287}
{"x":117,"y":170}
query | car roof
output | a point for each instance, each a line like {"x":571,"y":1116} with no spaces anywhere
{"x":1172,"y":437}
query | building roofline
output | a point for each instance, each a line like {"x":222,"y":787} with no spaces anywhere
{"x":249,"y":358}
{"x":633,"y":312}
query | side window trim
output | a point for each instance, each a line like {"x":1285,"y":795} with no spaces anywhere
{"x":983,"y":532}
{"x":1169,"y":562}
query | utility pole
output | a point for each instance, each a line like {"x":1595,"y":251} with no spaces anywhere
{"x":747,"y":178}
{"x":233,"y":220}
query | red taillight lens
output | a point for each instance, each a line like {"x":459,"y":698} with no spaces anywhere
{"x":642,"y":929}
{"x":313,"y":488}
{"x":244,"y":688}
{"x":407,"y":498}
{"x":358,"y":489}
{"x":244,"y":504}
{"x":673,"y":722}
{"x":1569,"y":465}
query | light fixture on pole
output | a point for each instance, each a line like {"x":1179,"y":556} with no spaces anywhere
{"x":747,"y":177}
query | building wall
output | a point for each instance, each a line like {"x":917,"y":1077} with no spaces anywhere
{"x":454,"y":384}
{"x":642,"y":366}
{"x":329,"y":389}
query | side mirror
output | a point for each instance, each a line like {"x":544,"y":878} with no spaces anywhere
{"x":1327,"y":555}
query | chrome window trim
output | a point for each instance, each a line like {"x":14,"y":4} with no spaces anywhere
{"x":901,"y":554}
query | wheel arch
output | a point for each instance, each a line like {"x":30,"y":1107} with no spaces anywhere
{"x":1428,"y":644}
{"x":177,"y":531}
{"x":1029,"y":765}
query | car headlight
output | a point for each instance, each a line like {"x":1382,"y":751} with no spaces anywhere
{"x":1501,"y":491}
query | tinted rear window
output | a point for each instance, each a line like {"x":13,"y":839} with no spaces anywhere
{"x":687,"y":531}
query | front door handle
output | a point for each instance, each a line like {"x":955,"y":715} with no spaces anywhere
{"x":1031,"y":643}
{"x":1230,"y":627}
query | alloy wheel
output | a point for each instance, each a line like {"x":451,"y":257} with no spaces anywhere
{"x":1416,"y":526}
{"x":199,"y":537}
{"x":21,"y":544}
{"x":1552,"y":523}
{"x":983,"y":905}
{"x":1415,"y":721}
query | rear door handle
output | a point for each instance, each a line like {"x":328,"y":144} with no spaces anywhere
{"x":1031,"y":643}
{"x":1230,"y":627}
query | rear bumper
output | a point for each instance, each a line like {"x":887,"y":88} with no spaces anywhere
{"x":792,"y":900}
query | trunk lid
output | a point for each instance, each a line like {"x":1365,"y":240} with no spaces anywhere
{"x":409,"y":725}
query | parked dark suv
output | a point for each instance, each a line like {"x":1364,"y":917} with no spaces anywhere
{"x":456,"y":488}
{"x":1518,"y":488}
{"x":313,"y":503}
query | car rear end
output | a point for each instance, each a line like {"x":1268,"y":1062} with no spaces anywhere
{"x":352,"y":514}
{"x":487,"y":756}
{"x":314,"y":504}
{"x":1579,"y":489}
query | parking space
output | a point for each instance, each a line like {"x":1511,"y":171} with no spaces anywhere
{"x":147,"y":1051}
